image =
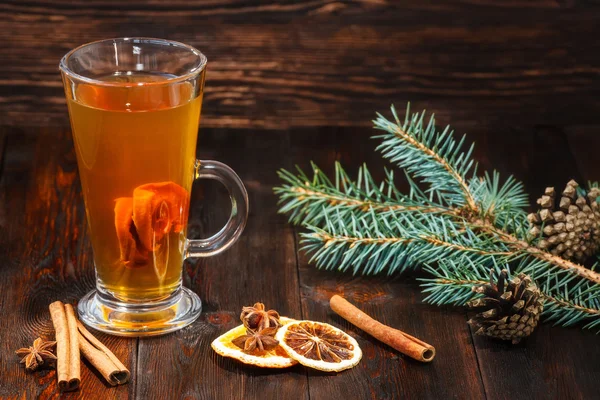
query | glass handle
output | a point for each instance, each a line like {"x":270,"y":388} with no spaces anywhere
{"x":232,"y":230}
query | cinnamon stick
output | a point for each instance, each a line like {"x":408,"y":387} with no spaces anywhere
{"x":67,"y":346}
{"x":111,"y":368}
{"x":404,"y":343}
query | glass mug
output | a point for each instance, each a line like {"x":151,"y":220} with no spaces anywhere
{"x":134,"y":105}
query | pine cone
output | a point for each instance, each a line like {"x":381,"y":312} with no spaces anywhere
{"x":573,"y":232}
{"x":510,"y":310}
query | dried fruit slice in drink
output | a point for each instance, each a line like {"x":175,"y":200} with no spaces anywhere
{"x":159,"y":208}
{"x":95,"y":96}
{"x":132,"y":252}
{"x":272,"y":358}
{"x":144,"y":221}
{"x":161,"y":247}
{"x":319,"y":345}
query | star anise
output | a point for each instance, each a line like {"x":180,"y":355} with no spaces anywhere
{"x":256,"y":318}
{"x":263,"y":340}
{"x":36,"y":355}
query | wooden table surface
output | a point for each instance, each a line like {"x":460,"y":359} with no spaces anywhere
{"x":290,"y":82}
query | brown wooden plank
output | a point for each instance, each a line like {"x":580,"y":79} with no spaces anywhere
{"x":583,"y":143}
{"x":396,"y":301}
{"x":555,"y":363}
{"x":313,"y":63}
{"x":3,"y":134}
{"x":384,"y":372}
{"x":45,"y":257}
{"x":260,"y":267}
{"x":277,"y":10}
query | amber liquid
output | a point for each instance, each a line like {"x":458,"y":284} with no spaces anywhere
{"x":129,"y":136}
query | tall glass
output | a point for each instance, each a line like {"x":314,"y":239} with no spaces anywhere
{"x":134,"y":105}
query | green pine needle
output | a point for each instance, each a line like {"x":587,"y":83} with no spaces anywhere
{"x":453,"y":223}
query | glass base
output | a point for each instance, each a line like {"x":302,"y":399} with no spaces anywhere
{"x":105,"y":313}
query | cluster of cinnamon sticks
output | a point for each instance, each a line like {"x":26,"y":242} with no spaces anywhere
{"x":72,"y":338}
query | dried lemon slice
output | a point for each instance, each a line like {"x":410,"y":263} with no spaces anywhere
{"x":274,"y":358}
{"x":319,"y":345}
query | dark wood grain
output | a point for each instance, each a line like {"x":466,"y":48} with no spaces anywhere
{"x":45,"y":257}
{"x":583,"y":143}
{"x":384,"y":373}
{"x":317,"y":62}
{"x":287,"y":82}
{"x":260,"y":267}
{"x":39,"y":181}
{"x":555,"y":363}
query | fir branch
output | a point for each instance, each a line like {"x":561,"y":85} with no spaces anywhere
{"x":458,"y":227}
{"x":549,"y":260}
{"x":378,"y":241}
{"x":452,"y":284}
{"x":503,"y":204}
{"x":453,"y":281}
{"x":304,"y":198}
{"x":310,"y":202}
{"x":567,"y":313}
{"x":434,"y":157}
{"x":352,"y":242}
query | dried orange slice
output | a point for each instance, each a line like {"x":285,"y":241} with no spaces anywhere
{"x":274,"y":358}
{"x":132,"y":253}
{"x":319,"y":345}
{"x":159,"y":208}
{"x":160,"y":255}
{"x":176,"y":197}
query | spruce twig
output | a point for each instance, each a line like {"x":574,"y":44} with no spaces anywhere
{"x":457,"y":227}
{"x":446,"y":168}
{"x":523,"y":246}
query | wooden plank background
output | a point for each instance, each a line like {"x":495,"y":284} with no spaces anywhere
{"x":289,"y":82}
{"x":319,"y":62}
